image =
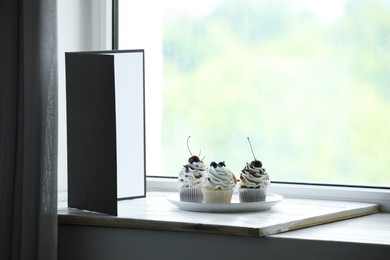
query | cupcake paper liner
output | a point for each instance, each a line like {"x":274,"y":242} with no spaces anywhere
{"x":252,"y":195}
{"x":191,"y":194}
{"x":217,"y":196}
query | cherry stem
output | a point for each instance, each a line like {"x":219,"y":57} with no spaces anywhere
{"x":251,"y":148}
{"x":188,"y":145}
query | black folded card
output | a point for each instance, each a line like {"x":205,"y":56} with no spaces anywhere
{"x":105,"y":97}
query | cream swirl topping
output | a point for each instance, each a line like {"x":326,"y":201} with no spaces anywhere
{"x":254,"y":177}
{"x":191,"y":175}
{"x":219,"y":178}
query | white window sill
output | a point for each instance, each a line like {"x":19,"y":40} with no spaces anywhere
{"x":371,"y":229}
{"x":144,"y":214}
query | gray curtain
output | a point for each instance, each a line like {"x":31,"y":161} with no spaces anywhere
{"x":28,"y":129}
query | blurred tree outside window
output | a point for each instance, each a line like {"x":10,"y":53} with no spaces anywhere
{"x":307,"y":81}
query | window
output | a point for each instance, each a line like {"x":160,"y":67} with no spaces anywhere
{"x":307,"y":82}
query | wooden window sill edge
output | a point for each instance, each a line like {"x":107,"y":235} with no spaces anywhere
{"x":366,"y":226}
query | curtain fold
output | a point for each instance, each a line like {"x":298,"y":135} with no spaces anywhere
{"x":28,"y":129}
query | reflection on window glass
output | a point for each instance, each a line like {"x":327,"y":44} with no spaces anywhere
{"x":307,"y":81}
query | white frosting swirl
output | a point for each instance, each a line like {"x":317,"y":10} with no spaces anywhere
{"x":191,"y":175}
{"x":219,"y":178}
{"x":254,"y":177}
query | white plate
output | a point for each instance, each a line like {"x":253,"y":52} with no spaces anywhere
{"x":270,"y":201}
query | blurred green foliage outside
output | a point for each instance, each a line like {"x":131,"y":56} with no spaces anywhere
{"x":314,"y":98}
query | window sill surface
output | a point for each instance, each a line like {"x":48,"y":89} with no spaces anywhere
{"x":370,"y":229}
{"x":307,"y":217}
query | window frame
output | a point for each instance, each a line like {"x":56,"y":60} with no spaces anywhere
{"x":107,"y":30}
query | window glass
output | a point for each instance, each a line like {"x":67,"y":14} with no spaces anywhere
{"x":307,"y":81}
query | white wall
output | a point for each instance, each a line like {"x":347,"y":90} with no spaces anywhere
{"x":82,"y":26}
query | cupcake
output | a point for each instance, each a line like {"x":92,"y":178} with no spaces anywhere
{"x":254,"y":181}
{"x":218,"y":184}
{"x":190,"y":179}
